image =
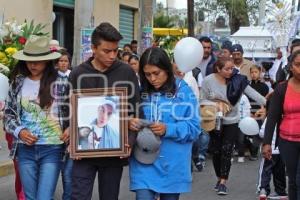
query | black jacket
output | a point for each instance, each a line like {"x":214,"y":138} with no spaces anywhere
{"x":209,"y":68}
{"x":119,"y":74}
{"x":275,"y":112}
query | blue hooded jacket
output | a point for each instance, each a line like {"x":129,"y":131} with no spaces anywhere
{"x":171,"y":171}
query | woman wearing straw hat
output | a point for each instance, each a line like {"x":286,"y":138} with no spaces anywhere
{"x":33,"y":116}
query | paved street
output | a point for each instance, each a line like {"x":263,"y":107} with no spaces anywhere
{"x":241,"y":184}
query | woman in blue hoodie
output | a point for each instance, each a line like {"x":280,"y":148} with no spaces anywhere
{"x":172,"y":112}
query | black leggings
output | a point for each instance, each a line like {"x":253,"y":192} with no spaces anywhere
{"x":222,"y":147}
{"x":290,"y":152}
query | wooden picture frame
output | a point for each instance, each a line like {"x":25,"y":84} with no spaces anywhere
{"x":98,"y":125}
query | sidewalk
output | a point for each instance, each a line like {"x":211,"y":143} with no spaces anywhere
{"x":6,"y":164}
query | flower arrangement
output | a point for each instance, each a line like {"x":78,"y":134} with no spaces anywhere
{"x":13,"y":37}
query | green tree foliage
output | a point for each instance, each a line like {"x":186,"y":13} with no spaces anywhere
{"x":239,"y":12}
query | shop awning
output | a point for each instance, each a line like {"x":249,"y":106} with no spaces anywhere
{"x":170,"y":31}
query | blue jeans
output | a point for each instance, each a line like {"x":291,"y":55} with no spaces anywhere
{"x":200,"y":146}
{"x":67,"y":177}
{"x":151,"y":195}
{"x":39,"y":167}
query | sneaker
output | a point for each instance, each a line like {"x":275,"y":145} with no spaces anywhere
{"x":253,"y":158}
{"x":222,"y":189}
{"x":216,"y":188}
{"x":241,"y":159}
{"x":277,"y":196}
{"x":262,"y":194}
{"x":199,"y":166}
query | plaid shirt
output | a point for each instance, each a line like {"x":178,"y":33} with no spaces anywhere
{"x":13,"y":109}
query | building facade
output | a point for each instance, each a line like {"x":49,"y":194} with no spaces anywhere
{"x":66,"y":18}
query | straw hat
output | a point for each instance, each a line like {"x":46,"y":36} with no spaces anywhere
{"x":36,"y":49}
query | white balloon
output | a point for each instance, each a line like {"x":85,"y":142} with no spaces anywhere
{"x":188,"y":54}
{"x":249,"y":126}
{"x":4,"y":85}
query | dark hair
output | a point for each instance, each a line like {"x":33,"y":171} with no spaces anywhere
{"x":294,"y":45}
{"x":294,"y":55}
{"x":133,"y":42}
{"x":126,"y":53}
{"x":220,"y":64}
{"x":49,"y":77}
{"x":205,"y":39}
{"x":64,"y":52}
{"x":133,"y":56}
{"x":297,"y":40}
{"x":126,"y":45}
{"x":159,"y":58}
{"x":105,"y":31}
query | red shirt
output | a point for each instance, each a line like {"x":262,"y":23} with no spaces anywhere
{"x":290,"y":125}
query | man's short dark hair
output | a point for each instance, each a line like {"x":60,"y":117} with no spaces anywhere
{"x":105,"y":31}
{"x":134,"y":42}
{"x":205,"y":39}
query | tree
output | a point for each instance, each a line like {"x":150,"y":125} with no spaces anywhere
{"x":240,"y":12}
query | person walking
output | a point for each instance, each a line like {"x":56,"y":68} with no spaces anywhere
{"x":160,"y":165}
{"x":34,"y":117}
{"x":284,"y":115}
{"x":219,"y":88}
{"x":101,"y":71}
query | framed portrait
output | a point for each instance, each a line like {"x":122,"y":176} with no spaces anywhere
{"x":99,"y":126}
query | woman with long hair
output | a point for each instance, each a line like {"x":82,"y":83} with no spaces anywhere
{"x":225,"y":87}
{"x":161,"y":164}
{"x":33,"y":115}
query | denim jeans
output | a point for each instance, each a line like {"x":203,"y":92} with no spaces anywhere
{"x":200,"y":146}
{"x":39,"y":167}
{"x":151,"y":195}
{"x":67,"y":177}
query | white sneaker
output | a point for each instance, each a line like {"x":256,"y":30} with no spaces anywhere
{"x":241,"y":159}
{"x":262,"y":194}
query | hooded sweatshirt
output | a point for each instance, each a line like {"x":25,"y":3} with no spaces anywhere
{"x":119,"y":74}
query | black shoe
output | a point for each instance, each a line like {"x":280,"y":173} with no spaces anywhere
{"x":199,"y":166}
{"x":216,"y":188}
{"x":222,"y":189}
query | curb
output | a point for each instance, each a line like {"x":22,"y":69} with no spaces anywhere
{"x":6,"y":168}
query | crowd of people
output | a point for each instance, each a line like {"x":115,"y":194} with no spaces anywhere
{"x":189,"y":115}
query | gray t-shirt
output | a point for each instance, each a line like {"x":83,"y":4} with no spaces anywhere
{"x":212,"y":90}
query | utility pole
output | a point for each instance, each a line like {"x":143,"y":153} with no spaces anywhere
{"x":190,"y":6}
{"x":146,"y":24}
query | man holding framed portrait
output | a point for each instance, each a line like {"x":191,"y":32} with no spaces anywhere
{"x":98,"y":79}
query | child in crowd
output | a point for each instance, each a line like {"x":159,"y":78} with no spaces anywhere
{"x":63,"y":65}
{"x":245,"y":108}
{"x":254,"y":141}
{"x":274,"y":167}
